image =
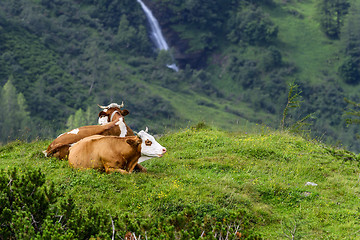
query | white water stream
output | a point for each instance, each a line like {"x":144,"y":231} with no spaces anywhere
{"x":156,"y":34}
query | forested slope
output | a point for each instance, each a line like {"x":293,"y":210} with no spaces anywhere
{"x":236,"y":60}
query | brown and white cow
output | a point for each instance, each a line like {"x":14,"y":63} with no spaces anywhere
{"x":114,"y":154}
{"x":117,"y":127}
{"x":113,"y":112}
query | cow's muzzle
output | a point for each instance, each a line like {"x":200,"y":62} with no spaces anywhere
{"x":163,"y":152}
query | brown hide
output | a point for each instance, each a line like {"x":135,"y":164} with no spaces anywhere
{"x":60,"y":146}
{"x":116,"y":116}
{"x":119,"y":113}
{"x":109,"y":154}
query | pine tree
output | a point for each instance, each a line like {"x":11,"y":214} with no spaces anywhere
{"x":349,"y":69}
{"x":15,"y":122}
{"x":332,"y":14}
{"x":81,"y":118}
{"x":9,"y":107}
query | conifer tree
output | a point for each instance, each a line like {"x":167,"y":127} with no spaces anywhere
{"x":332,"y":14}
{"x":15,"y":120}
{"x":81,"y":118}
{"x":349,"y":69}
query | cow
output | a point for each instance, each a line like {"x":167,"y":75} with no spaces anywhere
{"x":113,"y":112}
{"x":114,"y":154}
{"x":117,"y":127}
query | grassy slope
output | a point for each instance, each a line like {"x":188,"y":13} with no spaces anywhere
{"x":304,"y":42}
{"x":213,"y":114}
{"x":259,"y":176}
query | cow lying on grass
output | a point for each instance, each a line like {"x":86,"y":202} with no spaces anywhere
{"x":117,"y":127}
{"x":114,"y":154}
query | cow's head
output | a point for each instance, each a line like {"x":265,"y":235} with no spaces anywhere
{"x":149,"y":146}
{"x":111,"y":112}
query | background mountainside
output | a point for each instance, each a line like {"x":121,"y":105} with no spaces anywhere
{"x":58,"y":59}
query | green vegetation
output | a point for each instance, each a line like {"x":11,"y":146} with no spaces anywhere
{"x":210,"y":183}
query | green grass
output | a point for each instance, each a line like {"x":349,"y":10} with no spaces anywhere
{"x":212,"y":180}
{"x":304,"y":42}
{"x":213,"y":112}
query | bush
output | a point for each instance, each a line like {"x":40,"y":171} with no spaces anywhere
{"x":29,"y":209}
{"x":349,"y":71}
{"x":252,"y":26}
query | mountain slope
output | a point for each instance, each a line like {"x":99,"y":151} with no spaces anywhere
{"x":236,"y":60}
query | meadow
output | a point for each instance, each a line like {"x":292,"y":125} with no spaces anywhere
{"x":211,"y":184}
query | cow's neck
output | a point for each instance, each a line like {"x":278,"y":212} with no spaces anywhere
{"x":122,"y":127}
{"x":115,"y":116}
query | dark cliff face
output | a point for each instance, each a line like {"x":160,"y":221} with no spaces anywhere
{"x":179,"y":46}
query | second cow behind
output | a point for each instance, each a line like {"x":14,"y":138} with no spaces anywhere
{"x":116,"y":126}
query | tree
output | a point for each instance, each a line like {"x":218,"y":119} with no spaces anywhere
{"x":81,"y":118}
{"x":252,"y":26}
{"x":353,"y":112}
{"x":332,"y":13}
{"x":125,"y":34}
{"x":15,"y":122}
{"x":349,"y":69}
{"x":131,"y":39}
{"x":350,"y":33}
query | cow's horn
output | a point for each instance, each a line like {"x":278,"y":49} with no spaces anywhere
{"x":112,"y":105}
{"x":102,"y":107}
{"x":146,"y":129}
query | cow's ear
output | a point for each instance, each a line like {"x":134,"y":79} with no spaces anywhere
{"x":124,"y":112}
{"x":133,"y":142}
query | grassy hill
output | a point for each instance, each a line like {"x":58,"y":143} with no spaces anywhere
{"x":212,"y":183}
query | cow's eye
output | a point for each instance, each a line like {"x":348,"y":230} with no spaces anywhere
{"x":148,"y":143}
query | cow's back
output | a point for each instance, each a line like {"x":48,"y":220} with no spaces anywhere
{"x":80,"y":133}
{"x":62,"y":143}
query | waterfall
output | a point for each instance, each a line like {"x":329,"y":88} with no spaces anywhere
{"x":156,"y":34}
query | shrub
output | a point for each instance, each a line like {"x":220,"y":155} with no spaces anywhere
{"x":252,"y":26}
{"x":29,"y":209}
{"x":349,"y":71}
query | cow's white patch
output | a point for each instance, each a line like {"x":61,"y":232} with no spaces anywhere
{"x":74,"y":131}
{"x":122,"y":126}
{"x":105,"y":110}
{"x":150,"y":151}
{"x":143,"y":159}
{"x":61,"y":134}
{"x":103,"y":120}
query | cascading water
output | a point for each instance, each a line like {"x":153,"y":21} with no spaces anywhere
{"x":156,"y":34}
